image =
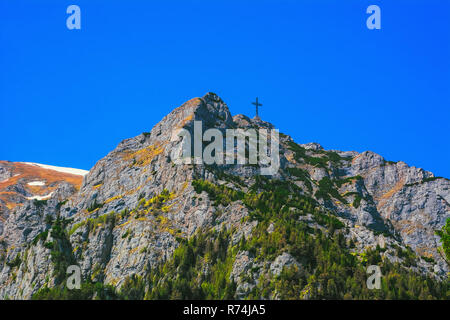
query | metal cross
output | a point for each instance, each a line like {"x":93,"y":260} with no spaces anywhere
{"x":257,"y":104}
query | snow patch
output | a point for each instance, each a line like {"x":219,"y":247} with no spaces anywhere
{"x":36,"y":183}
{"x":40,"y":197}
{"x":78,"y":172}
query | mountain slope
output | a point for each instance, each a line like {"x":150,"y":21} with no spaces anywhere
{"x":22,"y":181}
{"x":141,"y":223}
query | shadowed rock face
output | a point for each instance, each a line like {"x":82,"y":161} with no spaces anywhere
{"x":135,"y":203}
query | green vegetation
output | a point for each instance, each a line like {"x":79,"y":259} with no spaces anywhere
{"x":408,"y":256}
{"x":433,"y":179}
{"x":49,"y":219}
{"x":444,"y":233}
{"x":93,"y":223}
{"x":62,"y":257}
{"x":185,"y":277}
{"x":327,"y":190}
{"x":424,"y":180}
{"x":154,"y":206}
{"x":15,"y":262}
{"x":357,"y":200}
{"x":302,"y":175}
{"x":340,"y":182}
{"x":428,"y":259}
{"x":41,"y":236}
{"x":133,"y":288}
{"x":328,"y":220}
{"x":40,"y":203}
{"x":200,"y":267}
{"x":301,"y":155}
{"x":88,"y":291}
{"x":94,"y":206}
{"x":219,"y":194}
{"x":221,"y":175}
{"x":61,"y":203}
{"x":126,"y":234}
{"x":326,"y":258}
{"x":61,"y":249}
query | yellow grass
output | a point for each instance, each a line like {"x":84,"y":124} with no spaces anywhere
{"x":113,"y":198}
{"x":143,"y":157}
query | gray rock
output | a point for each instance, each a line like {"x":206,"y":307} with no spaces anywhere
{"x":282,"y":261}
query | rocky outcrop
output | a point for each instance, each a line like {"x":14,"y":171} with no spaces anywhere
{"x":284,"y":260}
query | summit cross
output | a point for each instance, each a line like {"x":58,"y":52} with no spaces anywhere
{"x":257,"y":104}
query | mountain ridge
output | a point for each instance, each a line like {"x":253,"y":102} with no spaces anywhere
{"x":21,"y":181}
{"x":135,"y":208}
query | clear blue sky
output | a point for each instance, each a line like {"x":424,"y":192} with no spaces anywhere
{"x":68,"y":97}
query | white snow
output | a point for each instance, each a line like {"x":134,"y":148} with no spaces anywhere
{"x":40,"y":197}
{"x":36,"y":183}
{"x":78,"y":172}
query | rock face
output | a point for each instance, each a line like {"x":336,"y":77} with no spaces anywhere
{"x":135,"y":205}
{"x":282,"y":261}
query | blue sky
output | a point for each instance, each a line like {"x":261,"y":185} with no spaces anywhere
{"x":68,"y":97}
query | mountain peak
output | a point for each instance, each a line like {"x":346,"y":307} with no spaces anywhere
{"x":137,"y":205}
{"x":210,"y":109}
{"x":211,"y":97}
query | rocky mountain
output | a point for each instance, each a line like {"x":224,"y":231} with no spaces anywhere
{"x":21,"y":182}
{"x":142,"y":226}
